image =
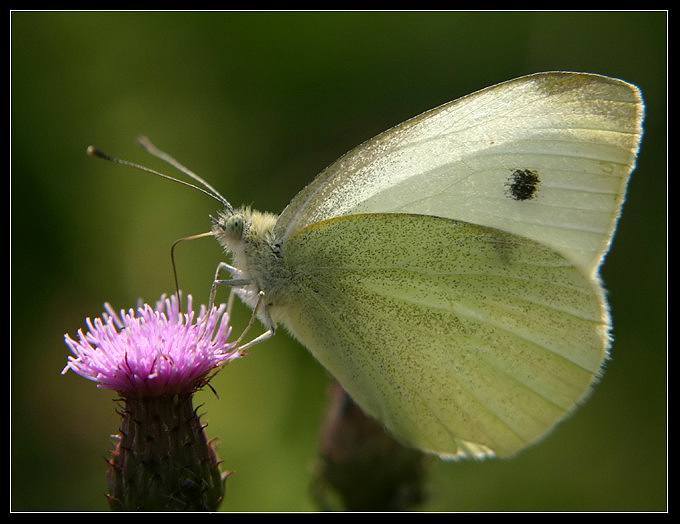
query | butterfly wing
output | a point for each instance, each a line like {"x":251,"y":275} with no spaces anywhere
{"x":545,"y":156}
{"x":461,"y":339}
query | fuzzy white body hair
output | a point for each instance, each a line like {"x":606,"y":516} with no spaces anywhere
{"x":257,"y":256}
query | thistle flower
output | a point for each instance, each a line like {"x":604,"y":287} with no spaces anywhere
{"x":156,"y":358}
{"x":157,"y":352}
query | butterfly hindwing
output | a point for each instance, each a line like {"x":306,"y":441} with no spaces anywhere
{"x":460,"y":338}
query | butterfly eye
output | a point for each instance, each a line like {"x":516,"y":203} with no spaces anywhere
{"x":234,"y":226}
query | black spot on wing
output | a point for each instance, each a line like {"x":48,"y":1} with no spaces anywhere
{"x":522,"y":184}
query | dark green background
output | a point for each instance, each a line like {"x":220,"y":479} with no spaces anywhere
{"x":258,"y":103}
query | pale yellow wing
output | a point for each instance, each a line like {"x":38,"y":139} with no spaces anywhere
{"x":545,"y":156}
{"x":461,"y":339}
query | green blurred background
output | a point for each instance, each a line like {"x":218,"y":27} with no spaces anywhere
{"x":258,"y":103}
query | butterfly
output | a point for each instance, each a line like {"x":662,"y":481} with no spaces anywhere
{"x":446,"y":272}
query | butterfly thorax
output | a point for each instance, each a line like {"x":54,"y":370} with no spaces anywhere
{"x":248,"y":236}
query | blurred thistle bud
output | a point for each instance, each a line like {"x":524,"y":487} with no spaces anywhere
{"x":361,"y":467}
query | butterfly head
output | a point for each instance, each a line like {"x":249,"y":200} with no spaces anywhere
{"x":234,"y":229}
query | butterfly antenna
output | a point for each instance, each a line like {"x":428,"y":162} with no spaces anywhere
{"x":211,"y":192}
{"x":152,"y":149}
{"x":93,"y":151}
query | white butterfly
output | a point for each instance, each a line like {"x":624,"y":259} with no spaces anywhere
{"x":446,"y":272}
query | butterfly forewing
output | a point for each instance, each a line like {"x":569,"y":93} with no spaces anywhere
{"x":577,"y":134}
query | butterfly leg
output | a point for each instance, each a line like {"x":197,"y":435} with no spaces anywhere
{"x":266,"y":320}
{"x":234,"y":283}
{"x":217,"y":282}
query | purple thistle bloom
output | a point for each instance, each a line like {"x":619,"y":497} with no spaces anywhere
{"x":156,"y":358}
{"x":152,"y":352}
